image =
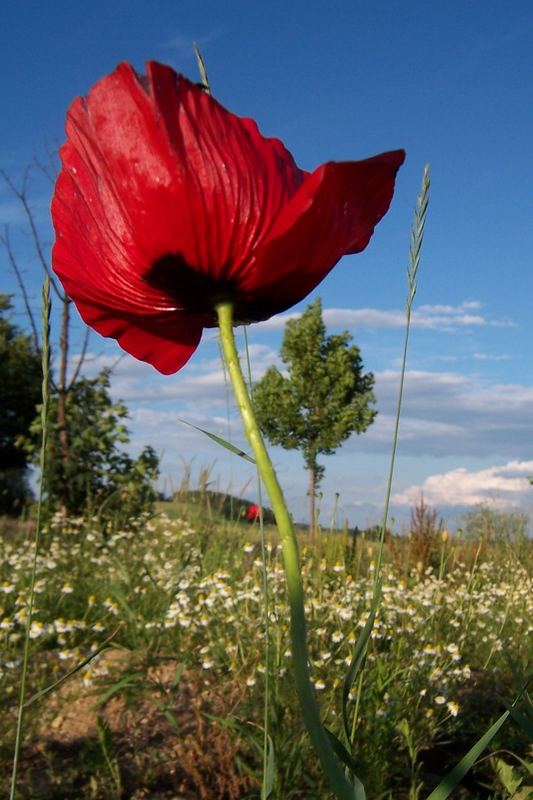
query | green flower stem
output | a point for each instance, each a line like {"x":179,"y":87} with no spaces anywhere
{"x":308,"y":704}
{"x":266,"y":729}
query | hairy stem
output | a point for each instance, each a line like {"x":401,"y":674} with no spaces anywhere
{"x":300,"y":658}
{"x":266,"y":708}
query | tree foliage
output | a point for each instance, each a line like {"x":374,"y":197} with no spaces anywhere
{"x":324,"y":399}
{"x":86,"y":469}
{"x":99,"y":476}
{"x":494,"y":525}
{"x":20,"y":391}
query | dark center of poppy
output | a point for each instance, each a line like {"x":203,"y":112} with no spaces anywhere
{"x":198,"y":293}
{"x":194,"y":291}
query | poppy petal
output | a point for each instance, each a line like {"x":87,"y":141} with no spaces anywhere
{"x":334,"y":213}
{"x":167,"y":342}
{"x":176,"y":172}
{"x":93,"y":254}
{"x":237,"y":181}
{"x":166,"y":203}
{"x":154,"y":166}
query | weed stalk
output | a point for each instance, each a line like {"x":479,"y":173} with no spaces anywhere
{"x":45,"y":356}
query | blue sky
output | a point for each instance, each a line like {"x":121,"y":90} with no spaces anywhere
{"x":448,"y":81}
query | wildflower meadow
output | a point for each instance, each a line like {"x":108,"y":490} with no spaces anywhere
{"x":171,"y":705}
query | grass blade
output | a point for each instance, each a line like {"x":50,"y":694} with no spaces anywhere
{"x":343,"y":755}
{"x":131,"y":679}
{"x":167,"y":713}
{"x":268,"y":778}
{"x":202,"y":69}
{"x":56,"y":684}
{"x":417,"y":237}
{"x":525,"y":723}
{"x":357,"y":663}
{"x":45,"y":321}
{"x":218,"y":439}
{"x":455,"y":776}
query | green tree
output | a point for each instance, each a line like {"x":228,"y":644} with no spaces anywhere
{"x":61,"y":382}
{"x":492,"y":525}
{"x":20,"y":391}
{"x":98,"y":476}
{"x":325,"y":398}
{"x":86,"y":468}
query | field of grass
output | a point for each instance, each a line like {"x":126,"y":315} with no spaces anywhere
{"x":172,"y":707}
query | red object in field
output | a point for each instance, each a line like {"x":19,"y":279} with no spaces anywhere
{"x":253,"y":513}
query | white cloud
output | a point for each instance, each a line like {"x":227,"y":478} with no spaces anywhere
{"x":505,"y":486}
{"x":444,"y":318}
{"x":411,"y":430}
{"x":201,"y":384}
{"x":444,"y":413}
{"x":448,"y":414}
{"x":182,"y":45}
{"x":467,"y":305}
{"x":492,"y":357}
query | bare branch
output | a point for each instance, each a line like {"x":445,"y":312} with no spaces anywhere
{"x":81,"y":359}
{"x":15,"y":267}
{"x":50,"y":168}
{"x":44,"y":169}
{"x":23,"y":198}
{"x":116,"y":362}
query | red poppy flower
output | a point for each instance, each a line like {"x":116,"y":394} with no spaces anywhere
{"x":253,"y":512}
{"x":167,"y":203}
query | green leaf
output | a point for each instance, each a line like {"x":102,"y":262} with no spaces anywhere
{"x":178,"y":674}
{"x":525,"y":723}
{"x":508,"y":776}
{"x":128,"y":680}
{"x":343,"y":755}
{"x":455,"y":776}
{"x":56,"y":684}
{"x":268,"y":778}
{"x":228,"y":445}
{"x":167,"y":713}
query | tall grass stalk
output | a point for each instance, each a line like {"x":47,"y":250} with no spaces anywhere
{"x":300,"y":655}
{"x":267,"y":750}
{"x":45,"y":356}
{"x":417,"y":237}
{"x":202,"y":69}
{"x":358,"y":659}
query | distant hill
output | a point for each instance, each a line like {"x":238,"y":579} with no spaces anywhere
{"x":220,"y":504}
